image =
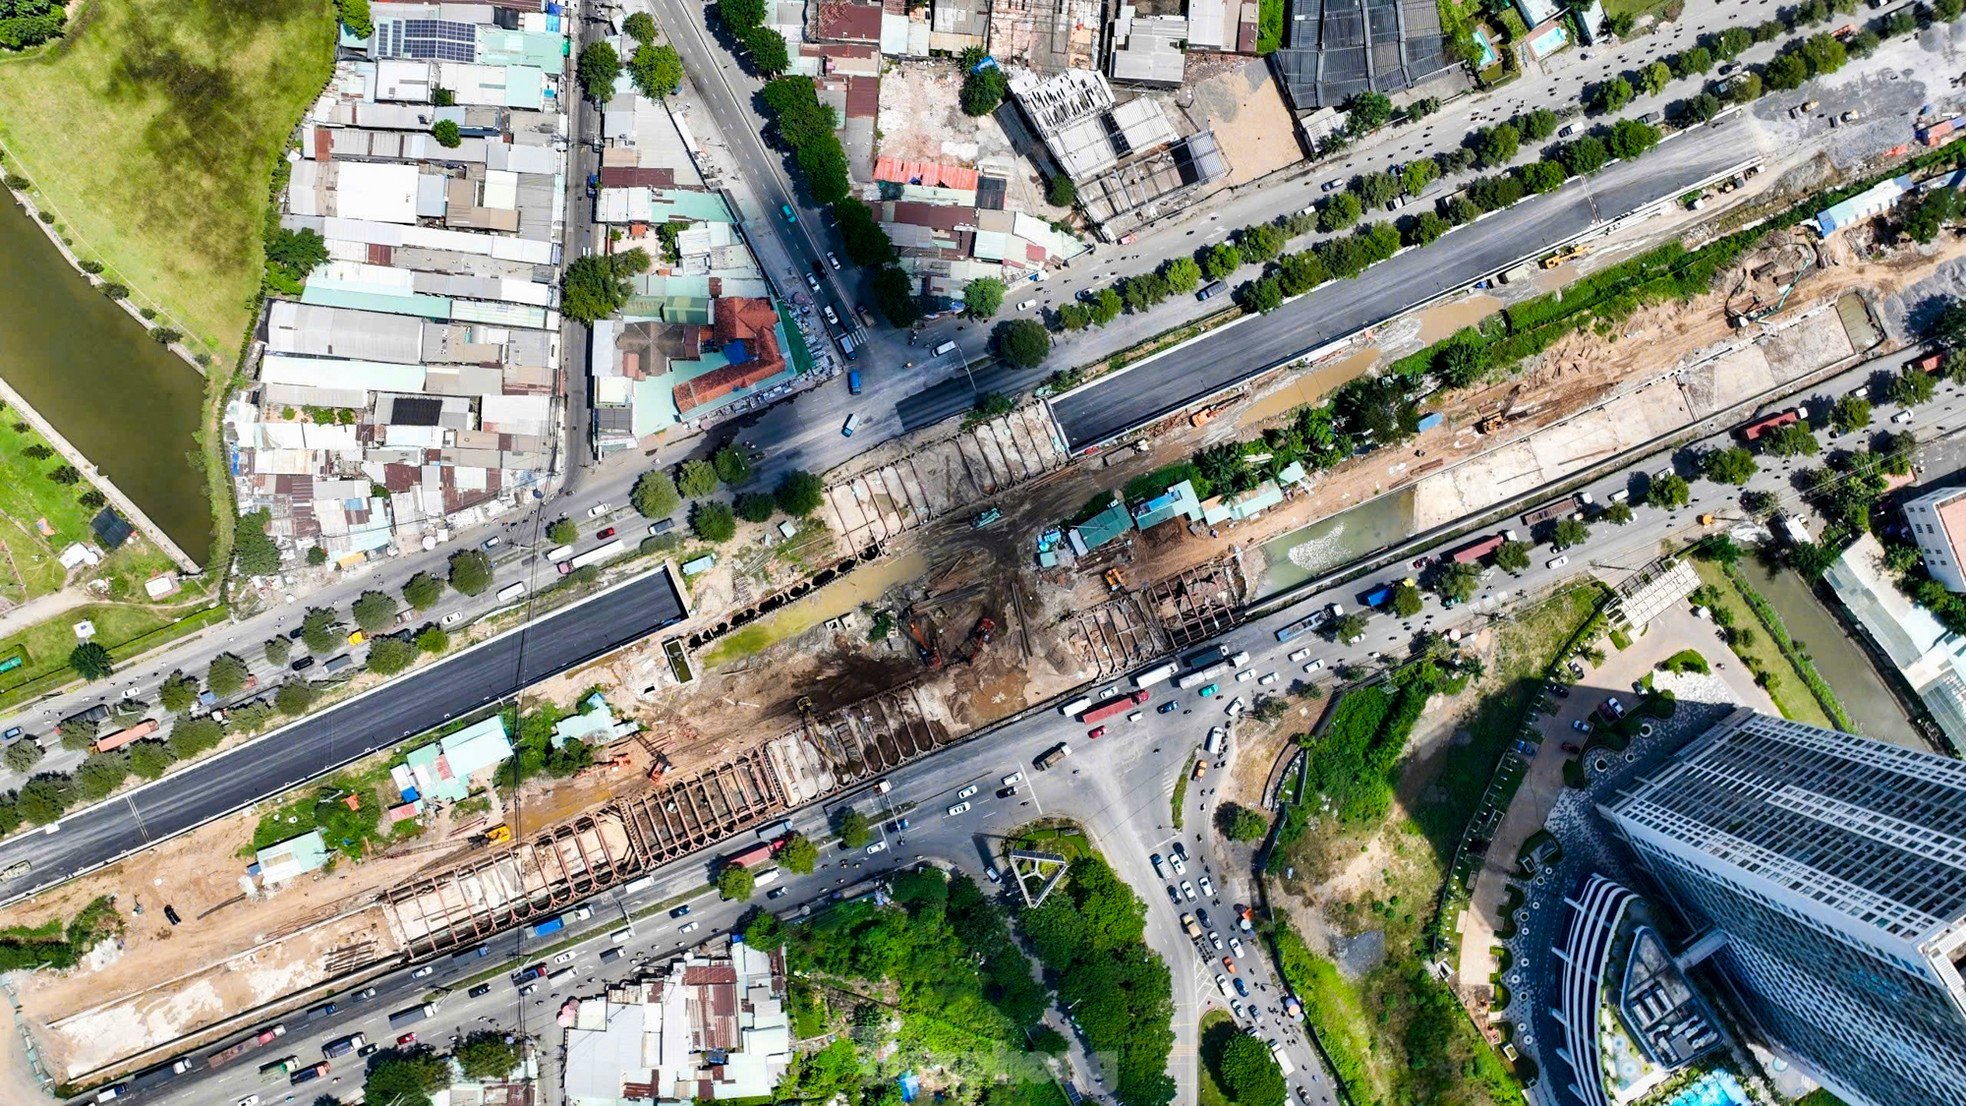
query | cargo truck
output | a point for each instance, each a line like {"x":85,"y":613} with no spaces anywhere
{"x":751,"y":857}
{"x":550,"y":925}
{"x":1283,"y":1062}
{"x":308,"y":1074}
{"x":1556,"y":509}
{"x":1760,"y":427}
{"x":1480,"y":549}
{"x":163,"y":1073}
{"x":1207,"y":674}
{"x":1052,"y":756}
{"x":284,"y":1065}
{"x":342,"y":1046}
{"x":1157,"y":674}
{"x":411,"y":1015}
{"x":120,"y":738}
{"x":233,"y":1052}
{"x":1377,"y":597}
{"x":606,"y":551}
{"x":523,"y":975}
{"x":1114,"y":706}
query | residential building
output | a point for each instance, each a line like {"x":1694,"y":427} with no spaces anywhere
{"x":1931,"y":658}
{"x":442,"y":770}
{"x":1827,"y":875}
{"x":1147,"y":49}
{"x":1937,"y":521}
{"x":290,"y":859}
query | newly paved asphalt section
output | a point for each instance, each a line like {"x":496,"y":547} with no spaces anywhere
{"x":1115,"y":404}
{"x":382,"y":716}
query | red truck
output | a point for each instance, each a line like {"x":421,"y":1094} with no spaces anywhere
{"x":120,"y":738}
{"x":1930,"y":363}
{"x":1114,"y":706}
{"x":751,"y":857}
{"x":1480,"y":549}
{"x":1768,"y":425}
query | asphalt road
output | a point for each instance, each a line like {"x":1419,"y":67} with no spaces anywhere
{"x":1119,"y":402}
{"x":418,"y":701}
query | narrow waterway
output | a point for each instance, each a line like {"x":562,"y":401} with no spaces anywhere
{"x":1310,"y":551}
{"x":1843,"y":663}
{"x":126,"y":402}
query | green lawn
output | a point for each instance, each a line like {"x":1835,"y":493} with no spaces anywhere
{"x":150,"y":133}
{"x":27,"y":498}
{"x":48,"y":644}
{"x":1217,"y":1030}
{"x":1790,"y":694}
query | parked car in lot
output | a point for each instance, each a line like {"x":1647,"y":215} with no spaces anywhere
{"x":1180,"y":864}
{"x":1160,"y":866}
{"x":1168,"y":707}
{"x":1241,"y":987}
{"x":1215,"y":940}
{"x":1187,"y":890}
{"x":1096,"y":732}
{"x":1174,"y":894}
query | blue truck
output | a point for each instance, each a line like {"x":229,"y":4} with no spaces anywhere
{"x":1377,"y":597}
{"x":550,"y":925}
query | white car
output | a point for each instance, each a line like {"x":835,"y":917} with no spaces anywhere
{"x":599,"y":509}
{"x":959,"y":808}
{"x":1235,"y":946}
{"x":966,"y":792}
{"x":1221,"y":984}
{"x":831,"y":260}
{"x":1187,"y":890}
{"x":1135,"y":716}
{"x":1245,"y":676}
{"x":1012,"y":780}
{"x":877,"y":847}
{"x":1556,"y":562}
{"x":1215,"y":939}
{"x":565,"y":957}
{"x":689,"y":927}
{"x":423,"y":972}
{"x":1314,"y":665}
{"x":827,"y":310}
{"x":453,"y":618}
{"x":1180,"y":866}
{"x":1236,"y":1009}
{"x":1267,"y":679}
{"x":1207,"y":887}
{"x":1027,"y":305}
{"x":249,"y":1100}
{"x":1299,"y":655}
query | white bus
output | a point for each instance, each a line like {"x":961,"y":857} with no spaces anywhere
{"x":1156,"y":674}
{"x":558,"y":553}
{"x":606,"y":551}
{"x":511,"y":593}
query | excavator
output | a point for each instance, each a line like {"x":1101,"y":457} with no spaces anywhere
{"x":920,"y":631}
{"x":980,"y":636}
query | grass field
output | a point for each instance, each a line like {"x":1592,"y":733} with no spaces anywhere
{"x":150,"y":132}
{"x":1790,"y":694}
{"x":1217,"y":1030}
{"x":28,"y":497}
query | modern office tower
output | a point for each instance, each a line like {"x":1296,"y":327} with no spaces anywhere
{"x":1834,"y":867}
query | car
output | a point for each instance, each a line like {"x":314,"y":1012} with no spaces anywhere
{"x":599,"y":509}
{"x":831,"y":260}
{"x":452,"y":618}
{"x":1095,"y":733}
{"x":1568,"y":130}
{"x":1201,"y":915}
{"x":1229,"y":962}
{"x":1617,"y":708}
{"x":832,"y":316}
{"x":249,"y":1100}
{"x":1014,"y":777}
{"x":1180,"y":850}
{"x":1187,"y":890}
{"x":1314,"y":665}
{"x":423,"y":972}
{"x":12,"y":732}
{"x":1245,"y":676}
{"x":407,"y":1038}
{"x":1006,"y":792}
{"x":528,"y":988}
{"x":1201,"y":766}
{"x":1570,"y":747}
{"x":1167,"y":707}
{"x":813,"y":281}
{"x":1555,"y":563}
{"x":363,"y":995}
{"x":302,"y":664}
{"x":372,"y":1047}
{"x":1299,"y":655}
{"x":775,"y":893}
{"x":1026,"y":305}
{"x":876,"y":848}
{"x":959,"y":808}
{"x":681,"y":911}
{"x":1180,"y":864}
{"x":689,"y":927}
{"x":1235,"y":944}
{"x":1174,"y":894}
{"x":1561,"y":691}
{"x":1135,"y":716}
{"x":1329,"y":186}
{"x":1236,"y":1007}
{"x":1207,"y":886}
{"x":1215,"y":939}
{"x":1160,"y":866}
{"x":790,"y":215}
{"x":1901,"y":417}
{"x":1241,"y":987}
{"x":992,"y":874}
{"x":1222,"y":984}
{"x":1581,"y":726}
{"x":565,"y":957}
{"x":604,"y":535}
{"x":846,"y":428}
{"x":480,"y":991}
{"x":1208,"y":690}
{"x":489,"y":544}
{"x":966,"y":792}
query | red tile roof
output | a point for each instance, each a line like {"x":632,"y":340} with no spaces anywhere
{"x":751,"y":321}
{"x":633,"y":176}
{"x":863,"y":97}
{"x":843,"y":22}
{"x":927,"y":173}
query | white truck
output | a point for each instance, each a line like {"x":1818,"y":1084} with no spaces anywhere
{"x":1276,"y":1050}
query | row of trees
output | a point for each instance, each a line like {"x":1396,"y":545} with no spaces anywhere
{"x":657,"y":494}
{"x":410,"y":1075}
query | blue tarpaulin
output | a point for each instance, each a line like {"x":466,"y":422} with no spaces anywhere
{"x":910,"y":1086}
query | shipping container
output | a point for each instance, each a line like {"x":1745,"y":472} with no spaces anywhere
{"x":1075,"y":706}
{"x":120,"y":738}
{"x":774,"y":830}
{"x":233,"y":1052}
{"x":600,"y":554}
{"x":316,"y":1013}
{"x":1477,"y":550}
{"x":1157,"y":674}
{"x":1114,"y":706}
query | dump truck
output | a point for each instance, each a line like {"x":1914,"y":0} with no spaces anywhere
{"x":233,"y":1052}
{"x":1557,"y":508}
{"x":410,"y":1015}
{"x":1052,"y":756}
{"x":1117,"y":705}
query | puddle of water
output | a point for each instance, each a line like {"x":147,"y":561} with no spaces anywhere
{"x":863,"y":585}
{"x":1339,"y":539}
{"x":1843,"y":663}
{"x":1439,"y":322}
{"x":1308,"y":387}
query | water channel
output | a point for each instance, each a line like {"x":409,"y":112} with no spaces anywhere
{"x":127,"y":403}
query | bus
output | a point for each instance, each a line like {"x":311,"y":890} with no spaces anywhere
{"x":558,"y":553}
{"x":606,"y":551}
{"x":512,"y":593}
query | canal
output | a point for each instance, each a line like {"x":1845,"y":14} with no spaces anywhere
{"x":126,"y":402}
{"x":1329,"y":543}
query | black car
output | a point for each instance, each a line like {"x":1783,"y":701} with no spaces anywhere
{"x":480,"y":991}
{"x":1006,"y":792}
{"x":679,"y":911}
{"x":296,"y":634}
{"x":775,"y":893}
{"x":302,"y":665}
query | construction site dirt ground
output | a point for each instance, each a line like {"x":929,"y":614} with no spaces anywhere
{"x":919,"y":120}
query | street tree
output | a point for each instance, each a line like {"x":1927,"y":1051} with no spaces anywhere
{"x":177,"y":692}
{"x":1912,"y":387}
{"x":471,"y":572}
{"x":90,"y":661}
{"x":1850,"y":414}
{"x":656,"y":69}
{"x":1022,"y":342}
{"x":733,"y":465}
{"x":390,"y":655}
{"x":1569,"y":532}
{"x":150,"y":759}
{"x":754,"y":506}
{"x":374,"y":611}
{"x":696,"y":478}
{"x":23,"y":755}
{"x":294,"y":697}
{"x":423,"y":590}
{"x":713,"y":521}
{"x":800,"y":493}
{"x":1339,"y":211}
{"x":1367,"y":111}
{"x":640,"y":27}
{"x":597,"y":69}
{"x":1733,"y":465}
{"x":735,"y":882}
{"x":192,"y":736}
{"x":1249,"y":1073}
{"x":982,"y":297}
{"x":1512,"y":556}
{"x":227,"y":675}
{"x":655,"y":495}
{"x":855,"y":831}
{"x":1406,"y":600}
{"x":1793,"y":440}
{"x":1617,"y":514}
{"x":488,"y":1054}
{"x":1349,"y":625}
{"x":1457,"y":583}
{"x":433,"y":639}
{"x":76,"y":733}
{"x":1182,"y":274}
{"x":799,"y":855}
{"x":1668,"y":492}
{"x":278,"y":651}
{"x":1240,"y":823}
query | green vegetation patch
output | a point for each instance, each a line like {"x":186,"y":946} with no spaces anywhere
{"x":1269,"y":26}
{"x":56,"y":946}
{"x":1757,"y":650}
{"x":1217,"y":1030}
{"x":182,"y":107}
{"x":349,"y":831}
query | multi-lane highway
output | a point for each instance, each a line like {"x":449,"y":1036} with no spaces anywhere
{"x":412,"y":704}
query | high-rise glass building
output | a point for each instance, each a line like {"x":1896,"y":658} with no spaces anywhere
{"x":1835,"y":868}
